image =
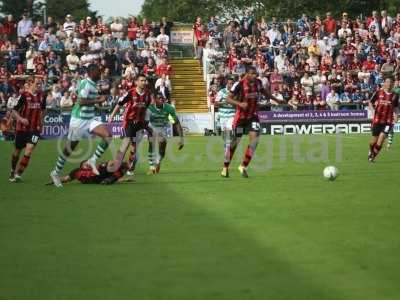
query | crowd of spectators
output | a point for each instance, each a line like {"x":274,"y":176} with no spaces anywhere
{"x":58,"y":52}
{"x":312,"y":63}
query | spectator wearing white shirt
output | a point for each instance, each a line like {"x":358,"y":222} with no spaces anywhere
{"x":162,"y":38}
{"x":73,"y":61}
{"x":325,"y":46}
{"x":333,"y":100}
{"x":12,"y":101}
{"x":69,"y":25}
{"x":345,"y":31}
{"x":166,"y":81}
{"x":151,"y":38}
{"x":307,"y":83}
{"x":117,"y":28}
{"x":66,"y":101}
{"x":333,"y":41}
{"x":95,"y":45}
{"x":307,"y":40}
{"x":30,"y":55}
{"x":274,"y":34}
{"x":25,"y":26}
{"x":87,"y":59}
{"x":280,"y":63}
{"x":319,"y":80}
{"x":362,"y":32}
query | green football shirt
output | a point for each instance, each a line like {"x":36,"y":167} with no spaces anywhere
{"x":159,"y":117}
{"x":87,"y":89}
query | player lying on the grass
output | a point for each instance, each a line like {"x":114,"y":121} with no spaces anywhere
{"x":29,"y":113}
{"x":107,"y":174}
{"x":135,"y":104}
{"x":159,"y":114}
{"x":84,"y":123}
{"x":245,"y":95}
{"x":226,"y":114}
{"x":385,"y":104}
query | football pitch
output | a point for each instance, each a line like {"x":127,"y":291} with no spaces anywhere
{"x":187,"y":233}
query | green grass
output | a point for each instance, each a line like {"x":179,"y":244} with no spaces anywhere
{"x":284,"y":233}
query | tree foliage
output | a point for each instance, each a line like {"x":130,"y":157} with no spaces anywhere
{"x":80,"y":9}
{"x":187,"y":10}
{"x":15,"y":8}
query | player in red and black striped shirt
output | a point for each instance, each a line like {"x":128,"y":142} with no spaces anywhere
{"x":107,"y":174}
{"x":29,"y":113}
{"x":245,"y":95}
{"x":135,"y":105}
{"x":385,"y":104}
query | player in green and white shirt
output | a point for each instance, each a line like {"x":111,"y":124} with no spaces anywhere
{"x":396,"y":90}
{"x":160,"y":115}
{"x":226,"y":114}
{"x":84,"y":123}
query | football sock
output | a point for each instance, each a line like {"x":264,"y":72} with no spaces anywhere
{"x":390,"y":138}
{"x":101,"y":148}
{"x":23,"y":164}
{"x":227,"y":147}
{"x":133,"y":157}
{"x":376,"y":150}
{"x":14,"y":162}
{"x":229,"y":155}
{"x":371,"y":149}
{"x":163,"y":147}
{"x":249,"y":153}
{"x":151,"y":156}
{"x":61,"y":160}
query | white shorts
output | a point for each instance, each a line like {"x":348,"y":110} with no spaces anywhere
{"x":159,"y":132}
{"x":81,"y":129}
{"x":226,"y":123}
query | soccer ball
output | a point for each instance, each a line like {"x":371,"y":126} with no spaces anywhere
{"x":331,"y":173}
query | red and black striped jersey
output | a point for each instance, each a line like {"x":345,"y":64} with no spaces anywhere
{"x":249,"y":92}
{"x":85,"y":174}
{"x":31,"y":106}
{"x":384,"y":104}
{"x":135,"y":104}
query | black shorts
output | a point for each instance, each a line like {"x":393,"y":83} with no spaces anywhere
{"x":245,"y":126}
{"x":26,"y":137}
{"x":377,"y":129}
{"x":132,"y":129}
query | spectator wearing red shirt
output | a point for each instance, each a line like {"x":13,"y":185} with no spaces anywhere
{"x":10,"y":27}
{"x":90,"y":27}
{"x":369,"y":64}
{"x":101,"y":28}
{"x":164,"y":69}
{"x":133,"y":29}
{"x":201,"y":41}
{"x":275,"y":80}
{"x":329,"y":23}
{"x":349,"y":51}
{"x":146,"y":27}
{"x":196,"y":33}
{"x":232,"y":59}
{"x":82,"y":29}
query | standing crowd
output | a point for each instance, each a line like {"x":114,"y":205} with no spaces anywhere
{"x":59,"y":52}
{"x":312,"y":63}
